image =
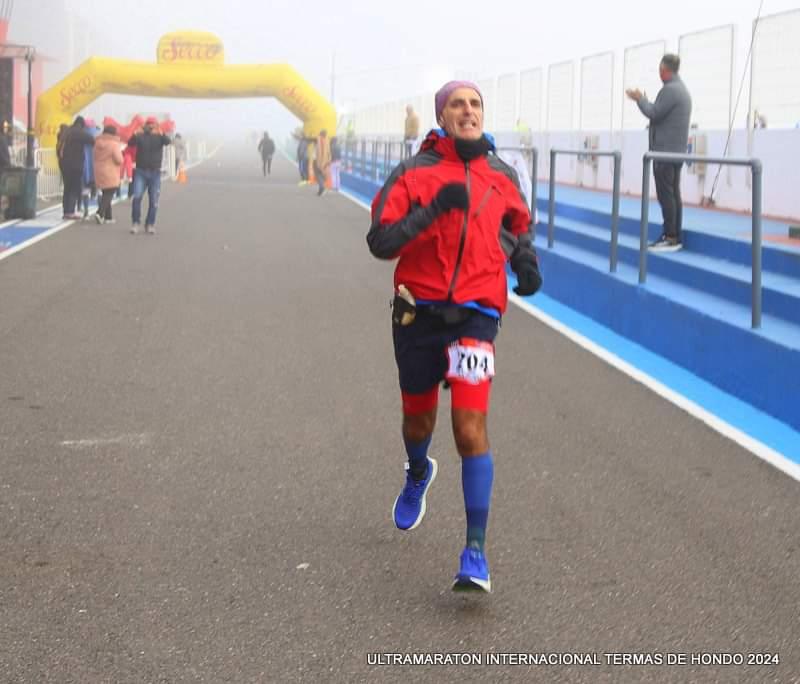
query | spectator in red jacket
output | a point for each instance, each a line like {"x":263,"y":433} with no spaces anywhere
{"x":128,"y":167}
{"x":452,"y":215}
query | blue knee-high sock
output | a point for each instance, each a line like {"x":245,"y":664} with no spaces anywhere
{"x":418,"y":457}
{"x":477,"y":473}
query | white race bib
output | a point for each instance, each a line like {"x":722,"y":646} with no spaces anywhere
{"x":470,"y":360}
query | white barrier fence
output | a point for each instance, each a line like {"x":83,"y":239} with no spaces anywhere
{"x":168,"y":169}
{"x":48,"y":179}
{"x":708,"y":56}
{"x":639,"y":71}
{"x":714,"y":65}
{"x":775,"y":90}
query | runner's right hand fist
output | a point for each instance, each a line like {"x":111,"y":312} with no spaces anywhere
{"x":452,"y":196}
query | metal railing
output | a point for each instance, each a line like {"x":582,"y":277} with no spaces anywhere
{"x":374,"y":159}
{"x":196,"y":151}
{"x":168,"y":162}
{"x":551,"y":205}
{"x":50,"y":185}
{"x":534,"y":152}
{"x":17,"y":154}
{"x":48,"y":180}
{"x":756,"y":169}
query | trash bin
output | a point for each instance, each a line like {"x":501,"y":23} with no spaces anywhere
{"x":18,"y":184}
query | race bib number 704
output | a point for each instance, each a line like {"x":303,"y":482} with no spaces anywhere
{"x":470,"y":360}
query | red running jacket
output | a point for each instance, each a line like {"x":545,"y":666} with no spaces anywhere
{"x":459,"y":255}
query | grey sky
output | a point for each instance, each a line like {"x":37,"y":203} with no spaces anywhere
{"x":403,"y":48}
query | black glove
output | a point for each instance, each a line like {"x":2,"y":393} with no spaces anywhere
{"x":529,"y":280}
{"x":452,"y":196}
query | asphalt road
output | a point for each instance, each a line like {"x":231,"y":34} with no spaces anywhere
{"x":199,"y":452}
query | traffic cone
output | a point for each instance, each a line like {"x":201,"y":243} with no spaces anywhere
{"x":181,"y":174}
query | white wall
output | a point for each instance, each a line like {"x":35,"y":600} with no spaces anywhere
{"x":778,"y":150}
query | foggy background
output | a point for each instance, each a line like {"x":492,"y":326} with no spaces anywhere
{"x":369,"y":52}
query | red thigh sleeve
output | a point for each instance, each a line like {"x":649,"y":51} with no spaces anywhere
{"x":466,"y":395}
{"x":414,"y":404}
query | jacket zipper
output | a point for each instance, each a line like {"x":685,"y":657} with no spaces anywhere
{"x":483,"y":202}
{"x":463,"y":240}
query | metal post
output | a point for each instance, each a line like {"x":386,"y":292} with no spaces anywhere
{"x":756,"y":211}
{"x":645,"y":219}
{"x":534,"y":179}
{"x":29,"y":162}
{"x":551,"y":206}
{"x":749,"y":120}
{"x":612,"y":266}
{"x":333,"y":77}
{"x":375,"y":160}
{"x":364,"y":158}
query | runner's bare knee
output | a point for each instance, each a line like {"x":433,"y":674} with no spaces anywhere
{"x":469,"y":431}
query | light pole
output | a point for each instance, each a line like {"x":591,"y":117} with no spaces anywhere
{"x":30,"y":54}
{"x":364,"y":72}
{"x":333,"y":78}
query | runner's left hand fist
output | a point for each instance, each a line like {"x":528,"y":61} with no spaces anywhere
{"x":529,"y":280}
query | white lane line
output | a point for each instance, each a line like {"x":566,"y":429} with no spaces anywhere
{"x":55,"y":229}
{"x":724,"y":428}
{"x":733,"y":433}
{"x":356,"y":201}
{"x":209,"y":156}
{"x":36,"y":238}
{"x":128,"y":440}
{"x":12,"y":222}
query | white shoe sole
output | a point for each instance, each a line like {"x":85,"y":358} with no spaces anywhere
{"x":473,"y":584}
{"x":423,"y":508}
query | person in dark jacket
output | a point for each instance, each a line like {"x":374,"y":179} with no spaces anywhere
{"x":149,"y":157}
{"x":453,"y":215}
{"x":88,"y":185}
{"x":61,"y":138}
{"x":5,"y":142}
{"x":302,"y":158}
{"x":669,"y":132}
{"x":5,"y":152}
{"x":72,"y":160}
{"x":266,"y":147}
{"x":336,"y":162}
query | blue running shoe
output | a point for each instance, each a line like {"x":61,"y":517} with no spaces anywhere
{"x":474,"y":572}
{"x":409,"y":507}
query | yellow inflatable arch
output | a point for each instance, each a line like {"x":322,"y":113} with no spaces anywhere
{"x":189,"y":64}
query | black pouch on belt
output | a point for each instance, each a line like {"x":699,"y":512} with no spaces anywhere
{"x":450,"y":314}
{"x":404,"y":307}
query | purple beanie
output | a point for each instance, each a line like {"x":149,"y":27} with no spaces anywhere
{"x":447,"y":89}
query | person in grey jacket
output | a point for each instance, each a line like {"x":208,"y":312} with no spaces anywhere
{"x":180,"y":152}
{"x":669,"y":132}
